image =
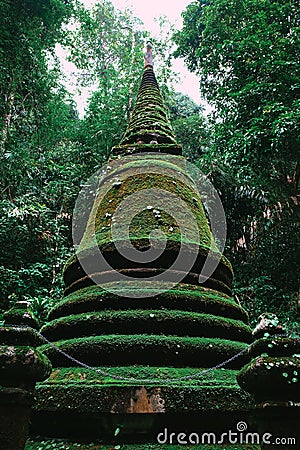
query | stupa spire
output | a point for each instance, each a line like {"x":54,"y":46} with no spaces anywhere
{"x":149,"y":124}
{"x":149,"y":56}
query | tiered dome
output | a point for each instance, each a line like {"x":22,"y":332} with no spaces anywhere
{"x":149,"y":121}
{"x":128,"y":319}
{"x":149,"y":128}
{"x":189,"y":324}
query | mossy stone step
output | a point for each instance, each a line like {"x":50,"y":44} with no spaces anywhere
{"x":182,"y":297}
{"x":82,"y":390}
{"x":94,"y":409}
{"x":167,"y":322}
{"x":103,"y":278}
{"x":165,"y":263}
{"x":142,"y":349}
{"x":145,"y":375}
{"x":18,"y":316}
{"x":131,"y":149}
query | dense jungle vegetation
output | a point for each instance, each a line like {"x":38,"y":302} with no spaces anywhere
{"x":246,"y":54}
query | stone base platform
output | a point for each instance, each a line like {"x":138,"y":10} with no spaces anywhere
{"x":79,"y":403}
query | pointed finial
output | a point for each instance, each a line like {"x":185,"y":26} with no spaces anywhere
{"x":148,"y":57}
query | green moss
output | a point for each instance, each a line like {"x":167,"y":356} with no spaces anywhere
{"x":101,"y":278}
{"x":145,"y":221}
{"x":148,"y":146}
{"x":216,"y":378}
{"x":153,"y":163}
{"x":85,"y":390}
{"x":17,"y":316}
{"x":149,"y":116}
{"x":183,"y":297}
{"x":73,"y":270}
{"x":149,"y":350}
{"x":170,"y":178}
{"x":22,"y":363}
{"x":270,"y":378}
{"x":87,"y":396}
{"x":75,"y":277}
{"x":19,"y":336}
{"x":168,"y":322}
{"x":276,"y":346}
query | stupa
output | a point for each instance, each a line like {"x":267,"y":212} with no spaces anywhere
{"x":146,"y":334}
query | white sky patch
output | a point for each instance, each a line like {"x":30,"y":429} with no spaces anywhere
{"x":147,"y":11}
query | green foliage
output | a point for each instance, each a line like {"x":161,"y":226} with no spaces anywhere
{"x":262,"y":244}
{"x":41,"y":306}
{"x":36,"y":122}
{"x":261,"y":294}
{"x":247,"y":56}
{"x":192,"y":134}
{"x":29,"y":32}
{"x":36,"y":243}
{"x":47,"y":152}
{"x":107,"y":49}
{"x":189,"y":124}
{"x":181,"y":106}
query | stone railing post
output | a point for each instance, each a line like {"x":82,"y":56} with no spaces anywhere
{"x":21,"y":366}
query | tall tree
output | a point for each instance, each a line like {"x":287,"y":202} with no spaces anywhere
{"x":247,"y":56}
{"x":36,"y":120}
{"x":29,"y":31}
{"x":107,"y":50}
{"x":46,"y":150}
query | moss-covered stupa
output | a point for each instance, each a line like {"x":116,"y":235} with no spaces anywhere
{"x":130,"y":321}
